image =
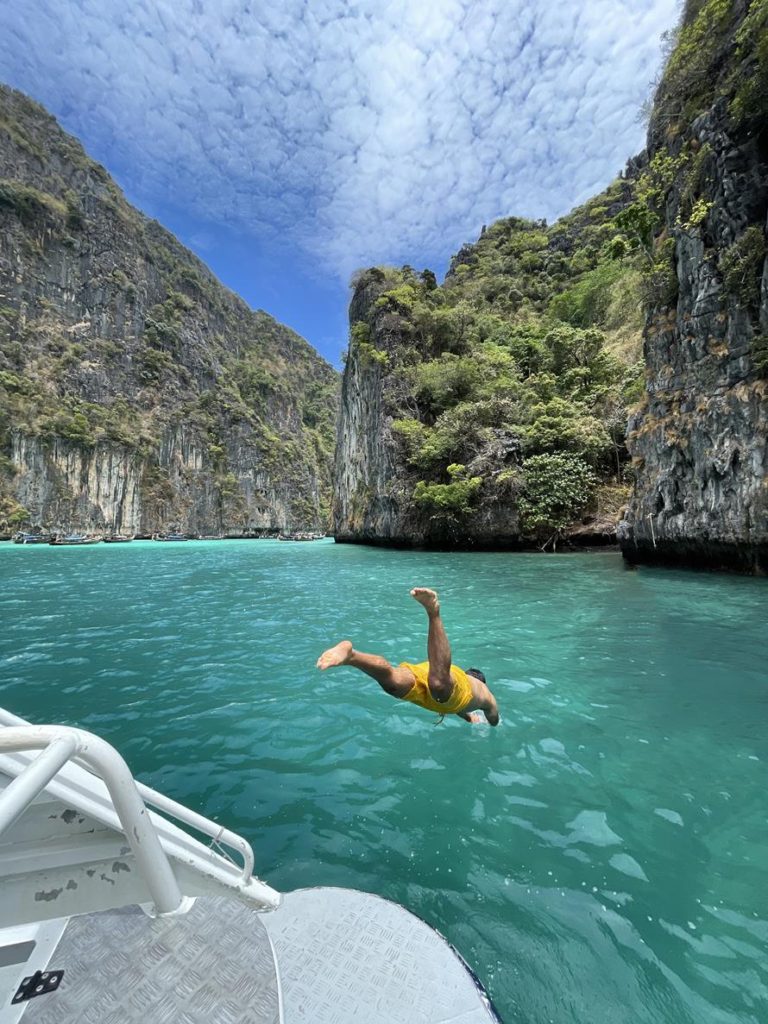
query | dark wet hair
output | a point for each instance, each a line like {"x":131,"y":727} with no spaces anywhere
{"x":476,"y":673}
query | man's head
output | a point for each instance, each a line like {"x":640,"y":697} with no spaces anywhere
{"x":476,"y":673}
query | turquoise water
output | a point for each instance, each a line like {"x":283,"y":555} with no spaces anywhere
{"x":601,"y":856}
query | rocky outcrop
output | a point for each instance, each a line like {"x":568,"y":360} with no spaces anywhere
{"x":136,"y":392}
{"x":700,"y":440}
{"x":487,"y":412}
{"x":367,"y":486}
{"x":373,"y":485}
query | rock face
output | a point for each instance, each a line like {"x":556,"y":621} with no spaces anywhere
{"x":684,"y":229}
{"x":488,"y":412}
{"x":372,"y":485}
{"x":137,"y":394}
{"x":365,"y":473}
{"x":700,"y":441}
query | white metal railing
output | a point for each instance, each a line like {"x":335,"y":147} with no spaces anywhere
{"x":220,"y":836}
{"x":59,"y":744}
{"x":25,"y":787}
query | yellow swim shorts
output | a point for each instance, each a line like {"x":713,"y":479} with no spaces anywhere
{"x":461,"y":694}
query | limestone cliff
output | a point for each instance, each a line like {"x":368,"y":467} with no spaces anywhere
{"x":490,"y":411}
{"x":136,"y":392}
{"x":373,"y":485}
{"x":366,"y":503}
{"x":700,"y":440}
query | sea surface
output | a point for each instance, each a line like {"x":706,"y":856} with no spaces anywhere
{"x":599,"y":858}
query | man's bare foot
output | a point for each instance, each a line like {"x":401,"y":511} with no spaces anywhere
{"x":338,"y":655}
{"x":428,"y":598}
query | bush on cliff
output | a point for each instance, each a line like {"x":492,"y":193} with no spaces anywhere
{"x":30,"y":204}
{"x":557,"y":490}
{"x":449,"y":501}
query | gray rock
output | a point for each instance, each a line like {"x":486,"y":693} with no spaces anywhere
{"x":700,"y":442}
{"x":83,"y":283}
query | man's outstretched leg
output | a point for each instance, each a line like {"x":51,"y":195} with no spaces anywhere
{"x":438,"y":647}
{"x":395,"y":681}
{"x":439,"y":654}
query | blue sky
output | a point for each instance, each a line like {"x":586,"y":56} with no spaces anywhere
{"x":289,"y":144}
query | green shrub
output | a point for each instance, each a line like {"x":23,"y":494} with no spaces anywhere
{"x":179,"y":301}
{"x":400,"y":300}
{"x":75,"y":216}
{"x":360,"y":342}
{"x":120,"y":278}
{"x":154,"y":363}
{"x":229,"y":486}
{"x":12,"y":515}
{"x":449,"y":501}
{"x":569,"y":347}
{"x":372,"y":356}
{"x":161,"y":334}
{"x":15,"y":383}
{"x":561,"y":426}
{"x":639,"y":223}
{"x":412,"y":434}
{"x":660,"y":284}
{"x":442,"y":383}
{"x":558,"y":488}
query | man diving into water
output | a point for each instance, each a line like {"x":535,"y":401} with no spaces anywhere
{"x":436,"y":685}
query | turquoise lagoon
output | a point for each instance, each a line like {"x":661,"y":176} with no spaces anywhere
{"x":599,"y":858}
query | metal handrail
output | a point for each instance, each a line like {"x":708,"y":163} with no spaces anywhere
{"x":221,"y":836}
{"x":25,"y":787}
{"x":116,"y":775}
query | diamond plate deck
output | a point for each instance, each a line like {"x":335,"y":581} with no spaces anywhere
{"x":211,"y":966}
{"x":344,"y":957}
{"x":348,"y":957}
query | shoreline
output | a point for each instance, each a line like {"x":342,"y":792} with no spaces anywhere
{"x":690,"y":558}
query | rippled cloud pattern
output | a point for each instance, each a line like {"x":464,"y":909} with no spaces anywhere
{"x":355,"y":132}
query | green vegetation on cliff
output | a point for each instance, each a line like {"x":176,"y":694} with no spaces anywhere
{"x":510,"y":386}
{"x":512,"y":381}
{"x":718,"y":51}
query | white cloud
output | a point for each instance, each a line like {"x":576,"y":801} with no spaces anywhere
{"x":385,"y":130}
